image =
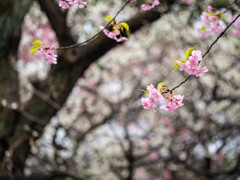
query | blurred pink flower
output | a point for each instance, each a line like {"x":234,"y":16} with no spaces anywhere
{"x":146,"y":7}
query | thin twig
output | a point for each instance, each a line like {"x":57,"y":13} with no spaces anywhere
{"x":46,"y":98}
{"x":93,"y":37}
{"x":208,"y":50}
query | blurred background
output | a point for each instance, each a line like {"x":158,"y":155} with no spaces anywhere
{"x":82,"y":119}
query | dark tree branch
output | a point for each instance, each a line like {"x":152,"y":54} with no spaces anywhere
{"x":58,"y":21}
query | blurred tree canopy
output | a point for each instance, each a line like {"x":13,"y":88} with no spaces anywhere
{"x":82,"y":118}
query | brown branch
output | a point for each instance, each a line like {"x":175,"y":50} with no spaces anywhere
{"x":46,"y":98}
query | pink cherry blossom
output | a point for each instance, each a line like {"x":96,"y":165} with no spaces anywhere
{"x":201,"y":71}
{"x":48,"y":55}
{"x":210,"y":8}
{"x":197,"y":55}
{"x":236,"y":32}
{"x":202,"y":33}
{"x":147,"y":104}
{"x":155,"y":94}
{"x":64,"y":5}
{"x":175,"y":101}
{"x":237,"y":23}
{"x":188,"y":2}
{"x":71,"y":2}
{"x":121,"y":39}
{"x":105,"y":30}
{"x":182,"y":66}
{"x":211,"y":23}
{"x":146,"y":7}
{"x":155,"y":98}
{"x":80,"y":3}
{"x":114,"y":34}
{"x":191,"y":65}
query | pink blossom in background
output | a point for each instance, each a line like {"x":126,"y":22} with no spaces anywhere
{"x":79,"y":3}
{"x":237,"y":23}
{"x":188,"y":2}
{"x":149,"y":105}
{"x":202,"y":33}
{"x":210,"y":8}
{"x":153,"y":156}
{"x":141,"y":173}
{"x":146,"y":7}
{"x":167,"y":175}
{"x":71,"y":2}
{"x":236,"y":30}
{"x":211,"y":23}
{"x":168,"y":124}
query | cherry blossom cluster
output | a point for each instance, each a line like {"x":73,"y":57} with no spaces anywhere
{"x":155,"y":98}
{"x":236,"y":30}
{"x":146,"y":7}
{"x":174,"y":102}
{"x":46,"y":51}
{"x":66,"y":4}
{"x":48,"y":54}
{"x":119,"y":30}
{"x":190,"y":65}
{"x":212,"y":23}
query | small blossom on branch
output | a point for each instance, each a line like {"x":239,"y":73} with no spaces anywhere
{"x":211,"y":22}
{"x":146,"y":7}
{"x":118,"y":31}
{"x":46,"y":51}
{"x":174,"y":102}
{"x":190,"y":65}
{"x":66,"y":4}
{"x":155,"y":98}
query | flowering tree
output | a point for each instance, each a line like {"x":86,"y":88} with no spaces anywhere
{"x":84,"y":120}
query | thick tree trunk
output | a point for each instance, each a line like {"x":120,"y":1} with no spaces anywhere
{"x":11,"y":16}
